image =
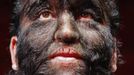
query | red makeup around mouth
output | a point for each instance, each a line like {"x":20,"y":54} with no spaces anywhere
{"x":66,"y":58}
{"x":67,"y":52}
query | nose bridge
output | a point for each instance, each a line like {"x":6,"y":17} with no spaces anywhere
{"x":64,"y":4}
{"x":65,"y":20}
{"x":67,"y":32}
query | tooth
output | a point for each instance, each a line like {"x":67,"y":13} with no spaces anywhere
{"x":64,"y":58}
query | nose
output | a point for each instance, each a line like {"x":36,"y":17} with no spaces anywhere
{"x":67,"y":32}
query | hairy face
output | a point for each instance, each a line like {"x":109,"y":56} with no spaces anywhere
{"x":63,"y":37}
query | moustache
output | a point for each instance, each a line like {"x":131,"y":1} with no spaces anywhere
{"x":49,"y":49}
{"x":34,"y":51}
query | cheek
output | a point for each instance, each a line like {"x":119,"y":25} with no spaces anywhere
{"x":39,"y":34}
{"x":91,"y":36}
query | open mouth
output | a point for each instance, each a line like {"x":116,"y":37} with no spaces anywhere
{"x":66,"y":55}
{"x":66,"y":59}
{"x":66,"y":52}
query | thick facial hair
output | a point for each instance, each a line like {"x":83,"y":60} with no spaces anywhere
{"x":36,"y":43}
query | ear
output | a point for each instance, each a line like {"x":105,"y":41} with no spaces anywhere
{"x":114,"y":61}
{"x":13,"y":51}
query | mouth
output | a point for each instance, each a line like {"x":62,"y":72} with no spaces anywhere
{"x":66,"y":52}
{"x":66,"y":59}
{"x":66,"y":56}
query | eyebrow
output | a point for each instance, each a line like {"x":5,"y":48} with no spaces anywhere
{"x":36,"y":7}
{"x":40,"y":5}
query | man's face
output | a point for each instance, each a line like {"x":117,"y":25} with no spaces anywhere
{"x":63,"y":37}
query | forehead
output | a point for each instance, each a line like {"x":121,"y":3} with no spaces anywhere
{"x":74,"y":2}
{"x":71,"y":3}
{"x":57,"y":3}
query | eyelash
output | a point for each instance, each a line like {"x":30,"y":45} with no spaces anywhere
{"x":46,"y":14}
{"x":88,"y":15}
{"x":37,"y":14}
{"x":85,"y":15}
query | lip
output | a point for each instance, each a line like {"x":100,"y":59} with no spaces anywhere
{"x":66,"y":52}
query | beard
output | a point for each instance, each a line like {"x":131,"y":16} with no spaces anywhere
{"x":36,"y":44}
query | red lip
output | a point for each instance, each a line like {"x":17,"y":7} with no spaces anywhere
{"x":66,"y":52}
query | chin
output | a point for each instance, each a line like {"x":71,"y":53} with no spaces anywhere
{"x":64,"y":61}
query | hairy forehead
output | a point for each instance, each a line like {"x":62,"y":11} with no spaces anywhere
{"x":74,"y":2}
{"x":55,"y":3}
{"x":29,"y":7}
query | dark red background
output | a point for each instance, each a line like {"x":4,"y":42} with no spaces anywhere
{"x":126,"y":36}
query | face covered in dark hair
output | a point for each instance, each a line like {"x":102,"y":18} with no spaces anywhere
{"x":63,"y":37}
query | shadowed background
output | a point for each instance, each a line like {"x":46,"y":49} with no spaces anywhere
{"x":126,"y":36}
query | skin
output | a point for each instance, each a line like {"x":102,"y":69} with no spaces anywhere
{"x":62,"y":38}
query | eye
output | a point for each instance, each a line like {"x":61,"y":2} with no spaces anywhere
{"x":85,"y":15}
{"x":46,"y":15}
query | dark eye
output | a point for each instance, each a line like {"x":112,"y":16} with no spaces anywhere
{"x":46,"y":15}
{"x":85,"y":15}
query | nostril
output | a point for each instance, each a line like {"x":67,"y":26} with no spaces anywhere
{"x":67,"y":38}
{"x":71,"y":40}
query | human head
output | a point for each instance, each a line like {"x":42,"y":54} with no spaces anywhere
{"x":57,"y":37}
